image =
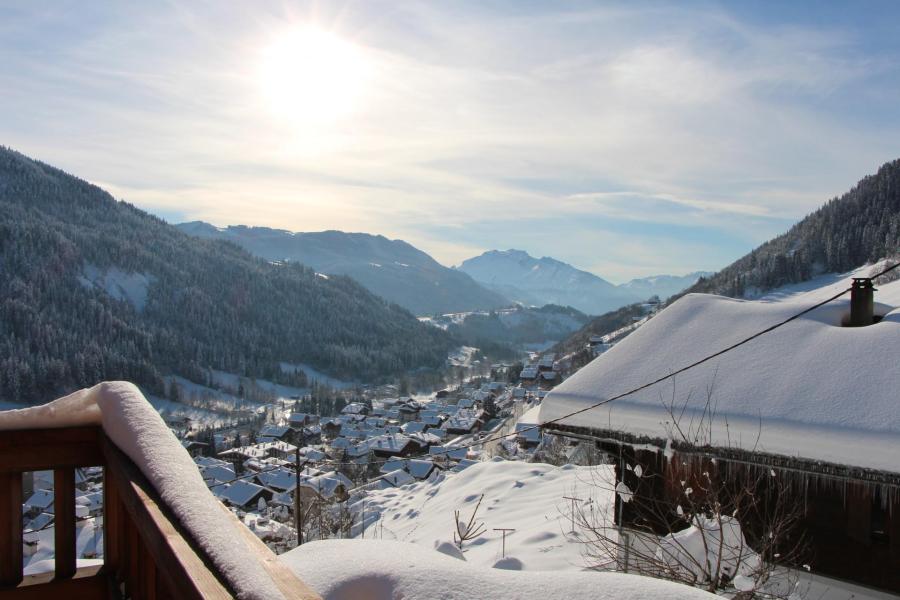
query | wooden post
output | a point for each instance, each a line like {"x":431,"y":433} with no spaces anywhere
{"x":10,"y":528}
{"x":505,"y":530}
{"x":64,"y":522}
{"x":573,"y":500}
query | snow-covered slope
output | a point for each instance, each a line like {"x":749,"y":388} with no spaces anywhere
{"x":527,"y":497}
{"x":539,"y":281}
{"x":384,"y":570}
{"x":663,"y":286}
{"x":392,"y":269}
{"x":821,"y":391}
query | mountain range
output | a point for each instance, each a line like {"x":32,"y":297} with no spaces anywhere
{"x":663,"y":286}
{"x":392,"y":269}
{"x":95,"y":289}
{"x":539,"y":281}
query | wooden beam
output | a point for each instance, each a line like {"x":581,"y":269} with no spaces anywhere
{"x":10,"y":529}
{"x":87,"y":582}
{"x":185,"y":570}
{"x":110,"y":522}
{"x":39,"y":449}
{"x":64,"y":522}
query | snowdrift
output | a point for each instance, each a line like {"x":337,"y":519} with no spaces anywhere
{"x":137,"y":429}
{"x":811,"y":389}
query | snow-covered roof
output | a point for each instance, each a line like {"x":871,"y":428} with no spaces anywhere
{"x":42,"y":499}
{"x":218,"y":473}
{"x":420,"y":469}
{"x":39,"y":522}
{"x":278,"y":479}
{"x":274,"y":431}
{"x":414,"y":427}
{"x":238,"y":493}
{"x":819,"y":390}
{"x":327,"y":484}
{"x":354,"y":408}
{"x":389,"y":442}
{"x":398,"y":477}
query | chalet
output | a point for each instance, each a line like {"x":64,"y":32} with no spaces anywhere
{"x":549,"y":379}
{"x":546,"y":362}
{"x":275,"y":433}
{"x":279,"y":480}
{"x":241,"y":493}
{"x":331,"y":427}
{"x":464,"y":421}
{"x":529,"y":374}
{"x":414,"y":427}
{"x":216,"y":474}
{"x":396,"y":478}
{"x":194,"y":448}
{"x":299,"y":420}
{"x":420,"y":469}
{"x":408,"y":410}
{"x":807,"y":411}
{"x":393,"y":445}
{"x":39,"y":502}
{"x":356,"y":409}
{"x":446,"y":454}
{"x":92,"y":504}
{"x":327,"y":487}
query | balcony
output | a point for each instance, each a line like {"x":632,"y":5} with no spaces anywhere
{"x":147,"y":553}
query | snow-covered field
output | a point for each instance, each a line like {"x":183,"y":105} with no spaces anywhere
{"x":527,"y":497}
{"x":385,"y":570}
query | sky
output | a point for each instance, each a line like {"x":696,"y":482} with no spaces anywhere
{"x":628,"y":139}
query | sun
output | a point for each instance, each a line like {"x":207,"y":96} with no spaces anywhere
{"x":310,"y":76}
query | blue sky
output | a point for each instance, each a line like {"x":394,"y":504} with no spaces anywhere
{"x":629,"y":139}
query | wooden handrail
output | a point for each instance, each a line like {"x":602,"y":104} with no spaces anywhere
{"x":147,"y":552}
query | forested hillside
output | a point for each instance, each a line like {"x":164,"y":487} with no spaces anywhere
{"x":522,"y":325}
{"x":602,"y":325}
{"x":392,"y":269}
{"x":95,"y":289}
{"x":861,"y":226}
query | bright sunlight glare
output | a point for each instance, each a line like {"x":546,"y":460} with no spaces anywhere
{"x":312,"y":77}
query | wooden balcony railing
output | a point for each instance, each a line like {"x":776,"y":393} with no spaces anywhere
{"x":147,"y":554}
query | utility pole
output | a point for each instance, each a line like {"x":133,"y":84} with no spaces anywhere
{"x":572,"y":514}
{"x":505,"y":530}
{"x":298,"y":514}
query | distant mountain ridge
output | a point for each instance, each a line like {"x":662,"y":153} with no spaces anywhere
{"x":663,"y":286}
{"x":539,"y":281}
{"x":861,"y":226}
{"x":392,"y":269}
{"x":95,"y":289}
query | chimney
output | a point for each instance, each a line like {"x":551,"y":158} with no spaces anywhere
{"x":862,"y":302}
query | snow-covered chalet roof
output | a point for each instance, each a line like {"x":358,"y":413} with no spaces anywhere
{"x":820,"y":391}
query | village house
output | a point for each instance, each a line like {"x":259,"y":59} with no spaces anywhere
{"x":241,"y":493}
{"x":464,"y":421}
{"x":807,"y":411}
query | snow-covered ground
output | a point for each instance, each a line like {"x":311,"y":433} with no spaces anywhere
{"x":527,"y":497}
{"x":386,"y":570}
